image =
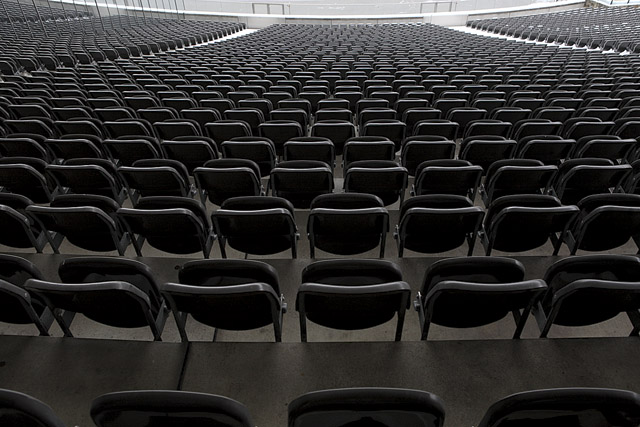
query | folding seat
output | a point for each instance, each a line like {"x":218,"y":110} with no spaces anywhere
{"x":300,"y":181}
{"x":175,"y":128}
{"x":87,"y":176}
{"x":252,"y":116}
{"x":606,"y":221}
{"x":347,"y":224}
{"x":417,"y":149}
{"x":220,"y":105}
{"x":225,"y":178}
{"x":579,"y":127}
{"x":579,"y":178}
{"x":156,"y":177}
{"x":191,"y":151}
{"x":87,"y":221}
{"x":543,"y":215}
{"x":33,"y":126}
{"x":224,"y":130}
{"x":436,"y":127}
{"x":600,"y":112}
{"x":157,"y":114}
{"x":117,"y":301}
{"x":128,"y":128}
{"x":383,"y":406}
{"x":375,"y":113}
{"x":338,"y":131}
{"x":256,"y":225}
{"x":392,"y":129}
{"x":516,"y":176}
{"x":18,"y":228}
{"x":604,"y":147}
{"x":19,"y":409}
{"x":463,"y":116}
{"x":352,"y":294}
{"x":127,"y":151}
{"x":233,"y":295}
{"x":258,"y":149}
{"x":178,"y":225}
{"x":111,"y":114}
{"x":29,"y":111}
{"x":24,"y":179}
{"x":23,"y":147}
{"x":73,"y":148}
{"x":447,"y":177}
{"x":535,"y":127}
{"x":413,"y":116}
{"x":201,"y":115}
{"x":298,"y":115}
{"x":446,"y":105}
{"x":560,"y":114}
{"x":383,"y":178}
{"x":310,"y":148}
{"x":484,"y":150}
{"x":294,"y":103}
{"x":627,"y":127}
{"x":575,"y":406}
{"x":158,"y":407}
{"x":437,"y":223}
{"x":549,"y":149}
{"x":477,"y":291}
{"x":510,"y":114}
{"x":365,"y":103}
{"x":280,"y":131}
{"x":367,"y":148}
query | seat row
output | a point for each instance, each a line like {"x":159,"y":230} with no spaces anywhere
{"x":341,"y":224}
{"x":389,"y":407}
{"x":339,"y":294}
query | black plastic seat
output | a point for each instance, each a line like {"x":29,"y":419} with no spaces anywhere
{"x":418,"y":149}
{"x":447,"y":176}
{"x":383,"y":178}
{"x":176,"y":225}
{"x":258,"y":149}
{"x":351,"y":295}
{"x":516,"y":176}
{"x":300,"y":181}
{"x":566,"y":406}
{"x":18,"y":306}
{"x":18,"y":229}
{"x":88,"y":176}
{"x":87,"y":221}
{"x":437,"y":223}
{"x":477,"y":291}
{"x":347,"y":224}
{"x":24,"y":179}
{"x":579,"y":178}
{"x":21,"y":410}
{"x":543,"y":215}
{"x":367,"y":406}
{"x":606,"y":221}
{"x":256,"y":225}
{"x":227,"y":294}
{"x":157,"y":408}
{"x":156,"y":177}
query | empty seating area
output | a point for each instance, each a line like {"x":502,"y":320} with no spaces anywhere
{"x":614,"y":28}
{"x":346,"y":225}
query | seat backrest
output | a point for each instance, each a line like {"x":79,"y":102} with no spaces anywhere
{"x":569,"y":406}
{"x":375,"y":406}
{"x":157,"y":408}
{"x":19,"y":409}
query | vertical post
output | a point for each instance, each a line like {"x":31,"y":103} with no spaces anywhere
{"x":75,"y":7}
{"x":86,"y":6}
{"x":150,"y":9}
{"x":4,"y":6}
{"x":99,"y":15}
{"x":177,"y":13}
{"x":144,"y":17}
{"x":66,"y":18}
{"x":24,"y":16}
{"x":55,"y":21}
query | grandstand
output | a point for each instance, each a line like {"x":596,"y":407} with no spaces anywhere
{"x":207,"y":222}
